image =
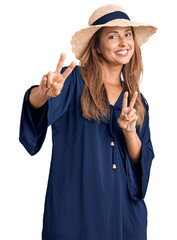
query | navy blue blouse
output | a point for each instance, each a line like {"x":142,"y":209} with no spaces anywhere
{"x":86,"y":199}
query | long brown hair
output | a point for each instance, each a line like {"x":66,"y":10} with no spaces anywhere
{"x":94,"y":99}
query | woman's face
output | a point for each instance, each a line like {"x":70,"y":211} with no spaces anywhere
{"x":116,"y":45}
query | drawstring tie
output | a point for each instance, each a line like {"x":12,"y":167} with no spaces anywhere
{"x":113,"y":132}
{"x":113,"y":155}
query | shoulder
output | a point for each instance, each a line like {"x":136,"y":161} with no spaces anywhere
{"x":146,"y":117}
{"x":145,"y":102}
{"x":75,"y":72}
{"x":75,"y":75}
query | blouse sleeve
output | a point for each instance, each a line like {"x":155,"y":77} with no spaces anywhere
{"x":138,"y":174}
{"x":34,"y":122}
{"x":33,"y":125}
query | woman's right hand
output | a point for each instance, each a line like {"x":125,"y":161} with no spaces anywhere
{"x":52,"y":83}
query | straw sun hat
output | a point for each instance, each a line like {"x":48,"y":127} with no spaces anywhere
{"x":109,"y":15}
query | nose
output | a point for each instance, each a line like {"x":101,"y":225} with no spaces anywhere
{"x":122,"y":41}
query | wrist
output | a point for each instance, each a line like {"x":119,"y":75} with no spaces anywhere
{"x":37,"y":98}
{"x":129,"y":133}
{"x":42,"y":95}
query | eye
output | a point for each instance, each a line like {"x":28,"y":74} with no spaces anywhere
{"x":129,"y":34}
{"x":112,"y":37}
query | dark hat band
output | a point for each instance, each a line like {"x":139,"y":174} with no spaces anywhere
{"x":111,"y":16}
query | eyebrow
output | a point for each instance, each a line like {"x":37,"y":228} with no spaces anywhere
{"x":118,"y":32}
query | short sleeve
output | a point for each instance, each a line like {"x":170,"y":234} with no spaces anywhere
{"x":34,"y":122}
{"x":138,"y":174}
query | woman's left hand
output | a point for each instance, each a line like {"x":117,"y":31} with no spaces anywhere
{"x":128,"y":117}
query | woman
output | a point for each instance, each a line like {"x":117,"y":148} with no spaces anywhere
{"x":102,"y":150}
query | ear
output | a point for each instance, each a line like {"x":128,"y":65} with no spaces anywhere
{"x":98,"y":50}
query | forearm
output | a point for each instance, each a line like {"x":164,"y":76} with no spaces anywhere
{"x":36,"y":99}
{"x":133,"y":145}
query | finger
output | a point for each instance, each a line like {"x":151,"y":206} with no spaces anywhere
{"x":57,"y":87}
{"x":50,"y":79}
{"x":133,"y":123}
{"x":68,"y":71}
{"x":45,"y":75}
{"x":124,"y":103}
{"x":123,"y":115}
{"x":133,"y":100}
{"x":124,"y":111}
{"x":60,"y":63}
{"x":43,"y":81}
{"x":133,"y":118}
{"x":131,"y":113}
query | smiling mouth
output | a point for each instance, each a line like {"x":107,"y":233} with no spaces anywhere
{"x":122,"y":52}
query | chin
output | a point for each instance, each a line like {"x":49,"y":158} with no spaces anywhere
{"x":123,"y":61}
{"x":117,"y":62}
{"x":120,"y":63}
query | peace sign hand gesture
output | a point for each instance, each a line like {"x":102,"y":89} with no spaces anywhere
{"x":52,"y":83}
{"x":128,"y":117}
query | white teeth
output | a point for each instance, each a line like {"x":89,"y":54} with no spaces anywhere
{"x":122,"y":52}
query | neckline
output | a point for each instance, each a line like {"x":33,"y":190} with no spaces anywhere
{"x":118,"y":101}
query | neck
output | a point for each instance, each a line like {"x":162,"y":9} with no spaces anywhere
{"x":112,"y":74}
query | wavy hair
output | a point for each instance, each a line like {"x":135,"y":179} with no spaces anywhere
{"x":94,"y":98}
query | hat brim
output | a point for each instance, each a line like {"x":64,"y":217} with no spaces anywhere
{"x":81,"y":38}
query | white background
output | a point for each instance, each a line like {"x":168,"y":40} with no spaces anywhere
{"x":33,"y":34}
